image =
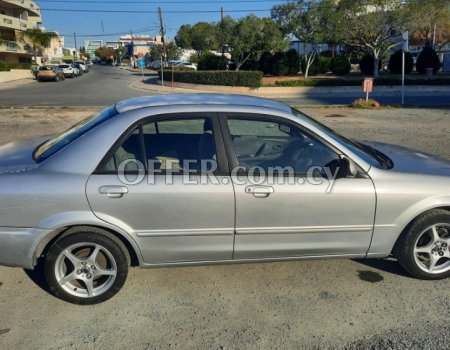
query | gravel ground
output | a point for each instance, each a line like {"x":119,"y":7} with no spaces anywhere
{"x":332,"y":304}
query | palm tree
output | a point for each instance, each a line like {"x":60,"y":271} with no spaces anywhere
{"x":39,"y":39}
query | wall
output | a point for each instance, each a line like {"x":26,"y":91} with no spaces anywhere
{"x":15,"y":74}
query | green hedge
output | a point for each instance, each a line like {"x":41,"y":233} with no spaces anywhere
{"x":6,"y":67}
{"x":251,"y":79}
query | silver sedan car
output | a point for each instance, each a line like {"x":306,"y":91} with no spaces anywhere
{"x":208,"y":178}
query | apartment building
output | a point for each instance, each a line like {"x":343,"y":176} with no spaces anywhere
{"x":139,"y":45}
{"x":16,"y":16}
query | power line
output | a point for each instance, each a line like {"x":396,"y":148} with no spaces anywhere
{"x":144,"y":11}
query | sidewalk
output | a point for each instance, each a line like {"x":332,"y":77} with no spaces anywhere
{"x":17,"y":83}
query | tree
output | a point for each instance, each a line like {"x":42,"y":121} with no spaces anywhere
{"x":183,"y":39}
{"x":370,"y":25}
{"x":431,"y":22}
{"x":254,"y":35}
{"x":303,"y":19}
{"x":38,"y":39}
{"x":204,"y":37}
{"x":105,"y":53}
{"x":173,"y":51}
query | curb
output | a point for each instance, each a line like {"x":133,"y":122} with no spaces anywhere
{"x":281,"y":91}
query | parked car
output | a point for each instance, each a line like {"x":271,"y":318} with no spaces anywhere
{"x":68,"y":70}
{"x":156,"y":65}
{"x":76,"y":70}
{"x":80,"y":68}
{"x":84,"y":66}
{"x":210,"y":178}
{"x":53,"y":73}
{"x":187,"y":65}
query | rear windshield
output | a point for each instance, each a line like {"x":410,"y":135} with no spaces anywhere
{"x":46,"y":68}
{"x":50,"y":147}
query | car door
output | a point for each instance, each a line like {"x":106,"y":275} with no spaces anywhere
{"x":143,"y":186}
{"x":296,"y":211}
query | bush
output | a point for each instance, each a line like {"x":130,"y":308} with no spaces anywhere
{"x":265,"y":62}
{"x":428,"y":58}
{"x":395,"y":63}
{"x":321,"y":65}
{"x":6,"y":67}
{"x":209,"y":61}
{"x":280,"y":63}
{"x":251,"y":79}
{"x":362,"y":103}
{"x":366,"y":64}
{"x":292,"y":61}
{"x":340,"y":65}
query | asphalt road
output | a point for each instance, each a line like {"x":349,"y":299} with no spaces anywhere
{"x":102,"y":86}
{"x":106,"y":85}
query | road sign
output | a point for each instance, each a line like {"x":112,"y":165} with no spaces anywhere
{"x":367,"y":85}
{"x":141,"y":63}
{"x":405,"y":43}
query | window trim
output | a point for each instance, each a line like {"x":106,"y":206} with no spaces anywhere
{"x":228,"y":141}
{"x":223,"y":166}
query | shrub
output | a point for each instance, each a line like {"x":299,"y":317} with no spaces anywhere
{"x":6,"y":67}
{"x":428,"y":58}
{"x":327,"y":53}
{"x":395,"y":63}
{"x":287,"y":63}
{"x":366,"y":65}
{"x":362,"y":103}
{"x":209,"y":61}
{"x":340,"y":65}
{"x":265,"y":62}
{"x":292,"y":61}
{"x":278,"y":64}
{"x":320,"y":65}
{"x":251,"y":79}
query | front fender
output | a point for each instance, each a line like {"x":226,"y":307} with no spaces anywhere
{"x":385,"y":235}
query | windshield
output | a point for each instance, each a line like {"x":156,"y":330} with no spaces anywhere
{"x":367,"y":153}
{"x":50,"y":147}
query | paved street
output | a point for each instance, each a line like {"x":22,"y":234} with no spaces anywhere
{"x":106,"y":85}
{"x":102,"y":86}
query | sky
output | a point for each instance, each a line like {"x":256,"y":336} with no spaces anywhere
{"x":97,"y":25}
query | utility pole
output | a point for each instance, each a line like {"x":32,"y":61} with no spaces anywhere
{"x":222,"y":43}
{"x":75,"y":38}
{"x":162,"y":31}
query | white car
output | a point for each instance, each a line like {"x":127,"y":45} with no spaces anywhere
{"x":83,"y":66}
{"x":187,"y":65}
{"x":68,"y":70}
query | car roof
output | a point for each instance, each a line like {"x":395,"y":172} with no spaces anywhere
{"x":198,"y":99}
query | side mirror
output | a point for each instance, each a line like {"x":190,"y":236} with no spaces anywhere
{"x":350,"y":166}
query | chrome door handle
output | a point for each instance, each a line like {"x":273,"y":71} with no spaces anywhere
{"x":259,"y":191}
{"x":113,"y":191}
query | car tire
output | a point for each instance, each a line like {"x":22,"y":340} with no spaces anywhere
{"x":86,"y":266}
{"x":423,"y":249}
{"x":56,"y":79}
{"x":72,"y":76}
